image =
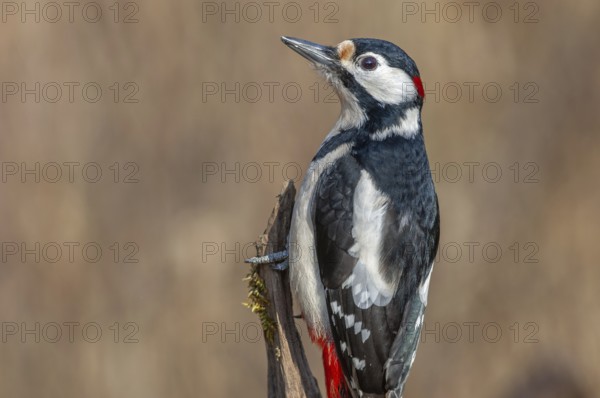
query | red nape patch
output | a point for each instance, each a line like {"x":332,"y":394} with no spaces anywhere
{"x":419,"y":85}
{"x":334,"y":376}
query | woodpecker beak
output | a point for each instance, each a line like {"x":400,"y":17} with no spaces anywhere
{"x":316,"y":53}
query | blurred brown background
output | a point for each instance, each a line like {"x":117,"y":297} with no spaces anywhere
{"x":518,"y":316}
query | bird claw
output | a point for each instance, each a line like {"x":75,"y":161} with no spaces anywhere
{"x":278,"y":259}
{"x":282,"y":266}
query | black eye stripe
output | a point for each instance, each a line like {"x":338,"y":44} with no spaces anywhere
{"x":369,"y":63}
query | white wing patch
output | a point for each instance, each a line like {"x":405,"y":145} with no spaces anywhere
{"x":366,"y":281}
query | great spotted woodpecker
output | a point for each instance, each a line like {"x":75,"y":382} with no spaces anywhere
{"x":365,"y":226}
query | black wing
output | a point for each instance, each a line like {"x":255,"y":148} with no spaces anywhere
{"x":374,"y":357}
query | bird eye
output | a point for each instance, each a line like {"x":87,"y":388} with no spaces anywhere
{"x":368,"y":63}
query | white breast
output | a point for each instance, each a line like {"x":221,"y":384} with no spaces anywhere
{"x":305,"y":279}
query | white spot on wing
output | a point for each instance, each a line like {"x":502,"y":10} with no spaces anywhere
{"x":349,"y":321}
{"x":359,"y":364}
{"x":357,"y":327}
{"x":364,"y":334}
{"x":335,"y":307}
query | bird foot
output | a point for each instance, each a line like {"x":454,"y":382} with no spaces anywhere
{"x":278,"y":259}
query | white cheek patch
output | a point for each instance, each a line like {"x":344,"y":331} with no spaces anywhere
{"x":386,"y":84}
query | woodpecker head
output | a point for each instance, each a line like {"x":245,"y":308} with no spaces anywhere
{"x":374,"y":79}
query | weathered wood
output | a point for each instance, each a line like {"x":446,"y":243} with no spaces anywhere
{"x":288,"y":372}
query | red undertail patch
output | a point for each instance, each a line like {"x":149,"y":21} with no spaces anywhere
{"x":334,"y":376}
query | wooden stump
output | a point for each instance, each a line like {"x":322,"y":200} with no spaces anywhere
{"x":288,"y":372}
